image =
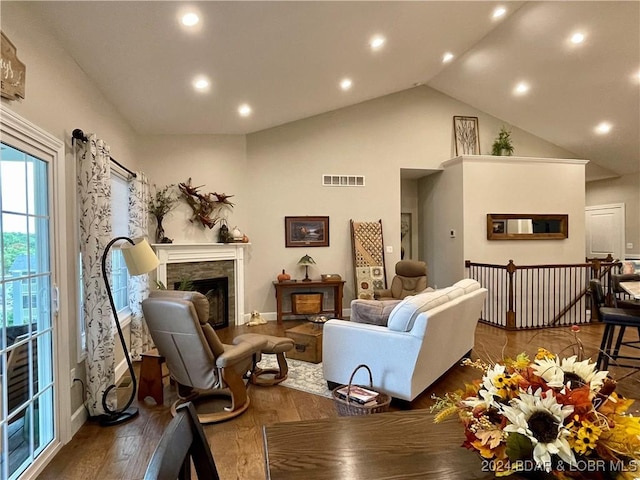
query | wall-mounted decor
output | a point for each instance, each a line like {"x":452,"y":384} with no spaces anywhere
{"x":208,"y":209}
{"x":368,"y":258}
{"x":306,"y":231}
{"x":12,"y":71}
{"x":523,"y":226}
{"x":467,"y":135}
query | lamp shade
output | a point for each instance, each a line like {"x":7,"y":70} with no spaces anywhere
{"x":306,"y":260}
{"x":140,"y":257}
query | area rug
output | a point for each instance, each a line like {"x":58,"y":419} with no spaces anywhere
{"x":303,"y":376}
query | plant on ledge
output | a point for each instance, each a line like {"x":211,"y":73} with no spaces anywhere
{"x":161,"y":203}
{"x":502,"y":145}
{"x":207,"y":208}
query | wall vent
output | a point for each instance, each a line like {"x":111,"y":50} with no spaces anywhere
{"x":342,"y":180}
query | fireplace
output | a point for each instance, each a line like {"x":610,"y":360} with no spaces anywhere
{"x":202,"y":262}
{"x":217,"y":292}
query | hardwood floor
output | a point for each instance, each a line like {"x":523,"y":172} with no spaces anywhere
{"x":122,"y":452}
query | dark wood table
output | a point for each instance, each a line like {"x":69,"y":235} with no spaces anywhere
{"x":404,"y":444}
{"x":284,"y":288}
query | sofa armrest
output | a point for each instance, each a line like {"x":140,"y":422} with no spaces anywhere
{"x":389,"y":354}
{"x":382,"y":293}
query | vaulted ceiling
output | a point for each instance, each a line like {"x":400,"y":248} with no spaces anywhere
{"x":286,"y":60}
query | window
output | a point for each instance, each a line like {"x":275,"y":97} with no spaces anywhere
{"x":120,"y":228}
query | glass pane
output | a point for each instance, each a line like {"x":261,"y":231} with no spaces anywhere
{"x":18,"y":441}
{"x":19,"y":372}
{"x":43,"y":359}
{"x":41,"y":303}
{"x":39,"y":245}
{"x":37,"y":187}
{"x":44,"y":420}
{"x":13,"y":174}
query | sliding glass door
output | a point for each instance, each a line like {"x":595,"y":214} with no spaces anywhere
{"x":27,"y":328}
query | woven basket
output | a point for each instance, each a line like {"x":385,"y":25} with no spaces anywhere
{"x":346,"y":407}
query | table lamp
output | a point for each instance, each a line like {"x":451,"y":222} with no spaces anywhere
{"x":140,"y":259}
{"x":305,"y":262}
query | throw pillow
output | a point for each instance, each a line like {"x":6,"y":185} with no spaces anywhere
{"x":373,"y":312}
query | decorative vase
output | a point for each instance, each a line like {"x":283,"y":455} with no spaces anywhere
{"x":159,"y":230}
{"x":284,"y":276}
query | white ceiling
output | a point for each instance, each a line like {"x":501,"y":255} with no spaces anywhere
{"x":286,"y":58}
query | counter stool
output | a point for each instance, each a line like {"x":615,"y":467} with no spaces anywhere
{"x":277,"y":346}
{"x":612,"y":318}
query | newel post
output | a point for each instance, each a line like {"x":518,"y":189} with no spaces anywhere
{"x":511,"y":313}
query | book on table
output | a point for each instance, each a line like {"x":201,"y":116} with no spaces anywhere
{"x":357,"y":394}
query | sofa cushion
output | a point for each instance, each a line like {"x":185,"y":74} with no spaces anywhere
{"x":403,"y":316}
{"x":373,"y":312}
{"x":467,"y":284}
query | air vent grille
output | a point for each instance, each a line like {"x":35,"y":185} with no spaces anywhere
{"x":342,"y":180}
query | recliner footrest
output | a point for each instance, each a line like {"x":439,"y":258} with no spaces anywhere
{"x":275,"y":346}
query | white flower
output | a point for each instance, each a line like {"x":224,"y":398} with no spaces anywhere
{"x":540,"y":418}
{"x":558,"y":374}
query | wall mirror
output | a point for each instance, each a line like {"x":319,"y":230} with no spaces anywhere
{"x":523,"y":226}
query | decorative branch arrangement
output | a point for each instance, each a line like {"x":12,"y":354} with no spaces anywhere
{"x":207,"y":208}
{"x":162,"y":201}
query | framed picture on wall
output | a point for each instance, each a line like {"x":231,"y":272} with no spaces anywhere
{"x":306,"y":231}
{"x":467,"y":135}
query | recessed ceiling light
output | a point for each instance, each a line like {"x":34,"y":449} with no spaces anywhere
{"x":377,"y":42}
{"x":603,"y":128}
{"x":636,"y":76}
{"x":190,"y":19}
{"x":577,"y":38}
{"x":499,"y":12}
{"x":346,"y":84}
{"x":201,"y":83}
{"x":447,"y":57}
{"x":521,"y":88}
{"x":244,"y":110}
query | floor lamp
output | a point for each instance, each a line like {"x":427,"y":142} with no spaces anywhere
{"x":140,"y":259}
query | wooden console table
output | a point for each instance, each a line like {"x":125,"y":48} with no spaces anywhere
{"x":284,"y":288}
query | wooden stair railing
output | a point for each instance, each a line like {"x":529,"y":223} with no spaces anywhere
{"x":538,"y":296}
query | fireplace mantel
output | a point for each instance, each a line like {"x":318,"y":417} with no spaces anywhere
{"x":206,"y":252}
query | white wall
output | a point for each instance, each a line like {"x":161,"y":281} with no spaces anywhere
{"x":624,"y":189}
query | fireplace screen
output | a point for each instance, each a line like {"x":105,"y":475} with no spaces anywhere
{"x":217,"y":291}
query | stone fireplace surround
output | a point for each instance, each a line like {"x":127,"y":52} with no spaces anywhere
{"x":199,"y":261}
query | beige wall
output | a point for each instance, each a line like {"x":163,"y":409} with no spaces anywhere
{"x":494,"y":186}
{"x":460,"y":197}
{"x":625,"y":189}
{"x":217,"y":162}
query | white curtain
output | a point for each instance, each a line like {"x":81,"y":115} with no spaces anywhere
{"x":94,"y":198}
{"x":138,"y":286}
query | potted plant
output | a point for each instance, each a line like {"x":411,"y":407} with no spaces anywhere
{"x":161,"y":203}
{"x":502,"y":145}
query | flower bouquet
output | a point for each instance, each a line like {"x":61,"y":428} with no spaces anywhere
{"x":559,"y":418}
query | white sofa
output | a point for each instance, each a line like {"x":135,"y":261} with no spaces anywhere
{"x":426,"y":335}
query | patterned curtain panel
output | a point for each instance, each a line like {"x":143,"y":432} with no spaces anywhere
{"x":139,"y":285}
{"x":368,"y":258}
{"x":94,"y":198}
